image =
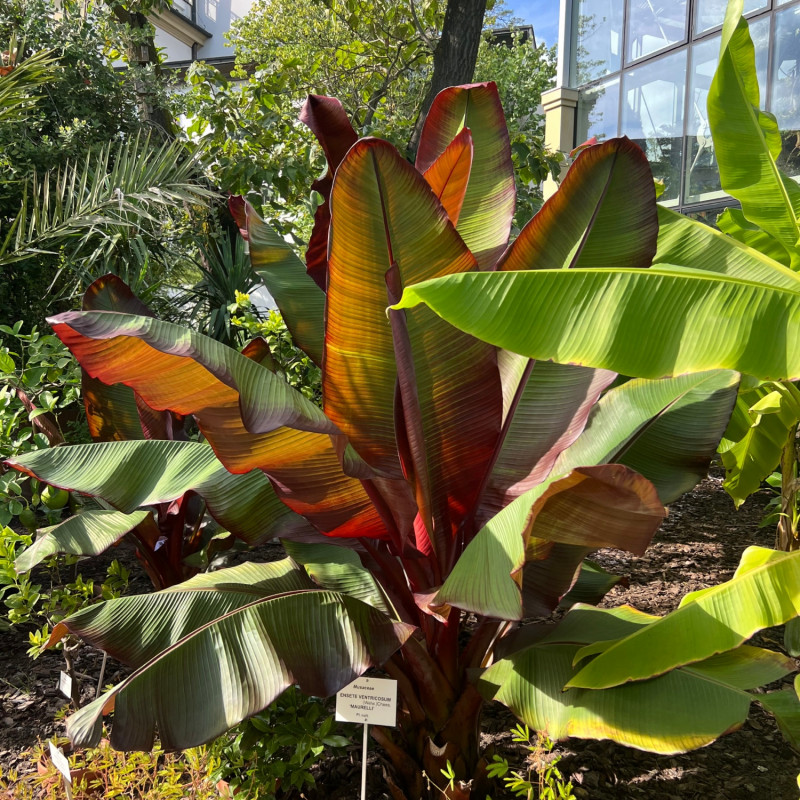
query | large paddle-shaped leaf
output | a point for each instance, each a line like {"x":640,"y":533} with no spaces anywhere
{"x":231,"y":396}
{"x":770,"y":411}
{"x":667,"y":430}
{"x":546,"y":417}
{"x":449,"y":175}
{"x":236,"y":665}
{"x":86,"y":534}
{"x":300,"y":300}
{"x":327,"y":120}
{"x":607,"y":506}
{"x":144,"y":473}
{"x":172,"y":368}
{"x":389,"y":229}
{"x":340,"y":570}
{"x":137,"y":628}
{"x":747,"y":141}
{"x":548,"y":404}
{"x":685,"y":241}
{"x":685,"y":709}
{"x":581,"y":224}
{"x":665,"y":320}
{"x":488,"y":207}
{"x":764,"y":591}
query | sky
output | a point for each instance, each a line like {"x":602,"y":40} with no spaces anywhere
{"x":542,"y":14}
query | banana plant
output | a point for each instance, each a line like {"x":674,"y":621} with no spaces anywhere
{"x":163,"y":511}
{"x":708,"y":301}
{"x":449,"y":489}
{"x":763,"y":432}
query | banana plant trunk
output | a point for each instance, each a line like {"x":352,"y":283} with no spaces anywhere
{"x":786,"y":537}
{"x":435,"y":750}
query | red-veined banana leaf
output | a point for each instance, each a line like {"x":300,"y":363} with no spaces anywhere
{"x":328,"y":121}
{"x":757,"y":435}
{"x":449,"y":175}
{"x":85,"y":534}
{"x":764,"y":591}
{"x":685,"y":709}
{"x":747,"y":142}
{"x":230,"y":395}
{"x":146,"y":473}
{"x":581,"y":226}
{"x":111,"y":411}
{"x":390,"y":229}
{"x":235,"y":665}
{"x":546,"y":405}
{"x":141,"y":346}
{"x":484,"y":222}
{"x":606,"y":506}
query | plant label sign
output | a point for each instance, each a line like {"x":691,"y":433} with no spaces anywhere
{"x":65,"y":684}
{"x":369,"y":701}
{"x":61,"y":763}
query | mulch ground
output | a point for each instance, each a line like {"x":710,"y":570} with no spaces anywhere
{"x":699,"y":545}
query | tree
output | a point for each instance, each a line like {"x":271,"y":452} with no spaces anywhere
{"x":454,"y":57}
{"x":376,"y":57}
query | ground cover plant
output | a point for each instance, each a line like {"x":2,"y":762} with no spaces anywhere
{"x":446,"y":490}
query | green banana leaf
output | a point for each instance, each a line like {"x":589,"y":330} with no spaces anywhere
{"x":236,"y":665}
{"x":747,"y":141}
{"x":764,"y":591}
{"x":666,"y":320}
{"x":145,"y":472}
{"x":137,"y":628}
{"x":340,"y":570}
{"x":667,"y":430}
{"x":772,"y":410}
{"x":682,"y":710}
{"x":86,"y":534}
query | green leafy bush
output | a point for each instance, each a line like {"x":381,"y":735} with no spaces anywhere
{"x":274,"y":751}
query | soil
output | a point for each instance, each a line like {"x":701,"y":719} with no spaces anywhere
{"x":699,"y":545}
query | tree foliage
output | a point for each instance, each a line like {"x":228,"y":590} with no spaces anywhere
{"x":376,"y":57}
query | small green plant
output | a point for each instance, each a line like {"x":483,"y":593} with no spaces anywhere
{"x":39,"y":407}
{"x":275,"y":750}
{"x":27,"y":602}
{"x":104,"y":772}
{"x":541,"y":777}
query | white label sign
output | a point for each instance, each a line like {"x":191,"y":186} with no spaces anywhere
{"x":370,"y":701}
{"x":65,"y":684}
{"x":60,"y":762}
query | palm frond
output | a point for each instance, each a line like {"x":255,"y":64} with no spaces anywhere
{"x":18,"y":79}
{"x":119,"y":186}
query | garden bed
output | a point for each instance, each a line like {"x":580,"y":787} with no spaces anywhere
{"x":699,"y":545}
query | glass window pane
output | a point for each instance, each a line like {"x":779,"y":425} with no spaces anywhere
{"x":785,"y":100}
{"x":702,"y":173}
{"x":653,"y":24}
{"x":709,"y":14}
{"x":598,"y":40}
{"x":598,"y":111}
{"x":652,"y":115}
